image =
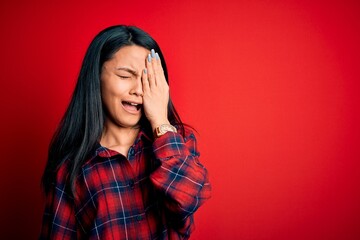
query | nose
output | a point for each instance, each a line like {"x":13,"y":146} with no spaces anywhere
{"x":137,"y":87}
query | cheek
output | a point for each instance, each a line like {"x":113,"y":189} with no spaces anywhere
{"x":112,"y":88}
{"x":112,"y":94}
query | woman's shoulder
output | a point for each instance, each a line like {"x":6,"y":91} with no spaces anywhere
{"x":67,"y":164}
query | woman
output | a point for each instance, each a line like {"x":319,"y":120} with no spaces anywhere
{"x":121,"y":164}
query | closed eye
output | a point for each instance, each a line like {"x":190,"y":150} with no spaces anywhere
{"x":124,"y":71}
{"x":124,"y":77}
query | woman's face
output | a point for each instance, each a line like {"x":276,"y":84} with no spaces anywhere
{"x":121,"y":86}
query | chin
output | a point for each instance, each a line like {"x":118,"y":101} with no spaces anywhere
{"x":129,"y":124}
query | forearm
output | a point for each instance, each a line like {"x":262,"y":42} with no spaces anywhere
{"x":180,"y":176}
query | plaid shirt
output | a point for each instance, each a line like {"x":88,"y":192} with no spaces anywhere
{"x":150,"y":194}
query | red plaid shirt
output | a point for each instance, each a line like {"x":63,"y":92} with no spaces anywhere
{"x":150,"y":194}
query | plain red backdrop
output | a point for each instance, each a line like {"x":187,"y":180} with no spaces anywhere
{"x":271,"y":86}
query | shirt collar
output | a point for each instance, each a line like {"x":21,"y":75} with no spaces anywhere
{"x":104,"y":152}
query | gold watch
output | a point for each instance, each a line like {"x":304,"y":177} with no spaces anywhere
{"x":164,"y":128}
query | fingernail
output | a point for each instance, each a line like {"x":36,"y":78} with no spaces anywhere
{"x":152,"y":53}
{"x":149,"y":58}
{"x":157,"y":56}
{"x":145,"y":71}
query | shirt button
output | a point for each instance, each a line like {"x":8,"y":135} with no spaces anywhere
{"x":139,"y":218}
{"x":131,"y":152}
{"x":131,"y":184}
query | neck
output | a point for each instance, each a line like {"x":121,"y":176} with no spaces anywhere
{"x":118,"y":138}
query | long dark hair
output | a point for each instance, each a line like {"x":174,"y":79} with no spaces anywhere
{"x":81,"y":127}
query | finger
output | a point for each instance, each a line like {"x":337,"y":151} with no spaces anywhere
{"x":150,"y":72}
{"x":154,"y":64}
{"x":145,"y":82}
{"x":159,"y":70}
{"x":158,"y":61}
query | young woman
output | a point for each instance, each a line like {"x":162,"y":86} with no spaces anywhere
{"x":121,"y":164}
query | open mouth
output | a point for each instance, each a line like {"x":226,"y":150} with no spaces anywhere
{"x":131,"y":106}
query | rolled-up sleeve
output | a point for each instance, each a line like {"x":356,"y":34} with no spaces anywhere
{"x":180,"y":176}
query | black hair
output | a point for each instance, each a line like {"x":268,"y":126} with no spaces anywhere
{"x":81,"y":127}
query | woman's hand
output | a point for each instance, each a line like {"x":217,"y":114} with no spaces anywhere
{"x":155,"y":91}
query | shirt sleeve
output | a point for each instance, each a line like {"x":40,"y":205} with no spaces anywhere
{"x":181,"y":178}
{"x":59,"y":216}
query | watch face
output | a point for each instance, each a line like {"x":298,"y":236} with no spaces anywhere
{"x":164,"y":128}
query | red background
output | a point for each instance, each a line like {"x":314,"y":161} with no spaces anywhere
{"x":271,"y":86}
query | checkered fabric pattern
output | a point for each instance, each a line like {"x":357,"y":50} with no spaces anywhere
{"x":150,"y":194}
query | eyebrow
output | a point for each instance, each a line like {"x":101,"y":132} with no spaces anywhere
{"x":133,"y":72}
